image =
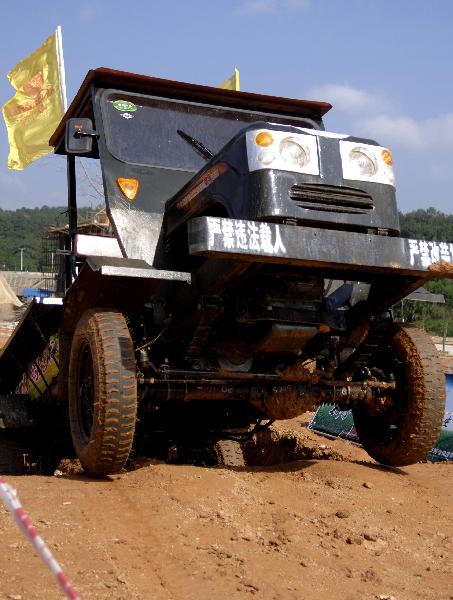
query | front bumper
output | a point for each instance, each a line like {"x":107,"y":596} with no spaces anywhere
{"x":347,"y":253}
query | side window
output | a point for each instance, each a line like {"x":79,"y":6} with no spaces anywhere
{"x":90,"y":189}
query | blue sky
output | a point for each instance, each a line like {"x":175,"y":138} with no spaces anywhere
{"x":385,"y":66}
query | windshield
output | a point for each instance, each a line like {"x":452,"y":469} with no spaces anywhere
{"x":144,"y":130}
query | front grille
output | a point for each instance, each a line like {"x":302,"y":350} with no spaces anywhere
{"x":329,"y":198}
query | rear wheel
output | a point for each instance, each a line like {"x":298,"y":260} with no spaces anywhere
{"x":402,"y":425}
{"x":102,"y":391}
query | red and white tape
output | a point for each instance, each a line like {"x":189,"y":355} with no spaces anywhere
{"x":11,"y":501}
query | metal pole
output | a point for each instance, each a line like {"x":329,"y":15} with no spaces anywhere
{"x":21,"y":250}
{"x":72,"y":216}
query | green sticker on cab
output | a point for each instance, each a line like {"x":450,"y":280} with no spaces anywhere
{"x":124,"y":106}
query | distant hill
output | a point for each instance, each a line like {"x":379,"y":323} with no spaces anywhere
{"x":24,"y":227}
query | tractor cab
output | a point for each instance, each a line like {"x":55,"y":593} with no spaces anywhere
{"x":152,"y":136}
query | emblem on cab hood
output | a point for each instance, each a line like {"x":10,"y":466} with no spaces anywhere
{"x":124,"y":106}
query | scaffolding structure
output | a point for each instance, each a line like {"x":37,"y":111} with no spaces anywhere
{"x":55,"y":245}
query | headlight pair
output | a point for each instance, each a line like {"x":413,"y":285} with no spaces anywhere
{"x":298,"y":152}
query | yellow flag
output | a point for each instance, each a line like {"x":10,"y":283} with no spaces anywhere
{"x":33,"y":113}
{"x":232,"y":83}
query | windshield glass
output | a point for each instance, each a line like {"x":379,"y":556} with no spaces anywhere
{"x":144,"y":130}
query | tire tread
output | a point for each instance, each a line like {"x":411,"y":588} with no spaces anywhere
{"x":115,"y":405}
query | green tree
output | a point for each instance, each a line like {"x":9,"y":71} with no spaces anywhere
{"x":24,"y":228}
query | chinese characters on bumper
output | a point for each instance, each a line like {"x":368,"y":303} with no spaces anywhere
{"x":428,"y":253}
{"x":245,"y":235}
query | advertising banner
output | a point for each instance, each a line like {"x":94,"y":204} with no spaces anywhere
{"x":330,"y":421}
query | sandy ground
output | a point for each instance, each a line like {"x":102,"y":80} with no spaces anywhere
{"x":333,"y":525}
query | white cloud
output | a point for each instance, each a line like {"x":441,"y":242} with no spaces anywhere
{"x":410,"y":133}
{"x":253,"y":7}
{"x":372,"y":115}
{"x":392,"y":130}
{"x":349,"y":99}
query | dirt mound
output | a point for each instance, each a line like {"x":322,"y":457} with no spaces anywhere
{"x":332,"y":524}
{"x":281,"y":444}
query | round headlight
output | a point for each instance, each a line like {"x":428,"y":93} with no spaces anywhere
{"x":293,"y":152}
{"x":266,"y":156}
{"x":364,"y":164}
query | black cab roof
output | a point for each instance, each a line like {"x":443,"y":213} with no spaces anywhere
{"x":82,"y":105}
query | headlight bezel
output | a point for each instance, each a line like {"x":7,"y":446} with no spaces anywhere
{"x":309,"y":144}
{"x":383,"y":171}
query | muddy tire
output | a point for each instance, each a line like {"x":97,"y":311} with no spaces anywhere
{"x":102,"y":392}
{"x":229,"y":453}
{"x":406,"y":432}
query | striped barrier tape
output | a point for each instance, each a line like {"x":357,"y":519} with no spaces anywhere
{"x":23,"y":521}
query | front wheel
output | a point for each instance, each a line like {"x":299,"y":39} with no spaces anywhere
{"x":102,"y":391}
{"x":403,"y":427}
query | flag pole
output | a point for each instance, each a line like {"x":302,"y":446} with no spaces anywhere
{"x":60,"y":59}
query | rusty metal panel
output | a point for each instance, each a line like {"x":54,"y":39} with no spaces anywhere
{"x":135,"y":268}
